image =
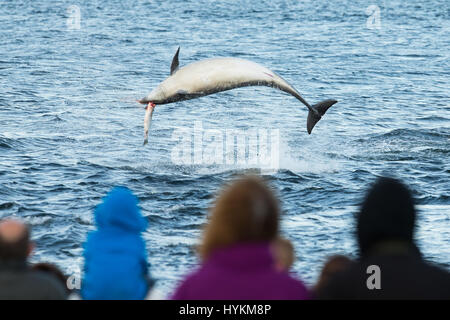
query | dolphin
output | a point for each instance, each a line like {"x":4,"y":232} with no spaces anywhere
{"x":214,"y":75}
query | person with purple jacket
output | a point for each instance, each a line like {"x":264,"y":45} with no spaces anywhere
{"x":236,"y":256}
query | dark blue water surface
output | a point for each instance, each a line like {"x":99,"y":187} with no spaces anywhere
{"x":70,"y":128}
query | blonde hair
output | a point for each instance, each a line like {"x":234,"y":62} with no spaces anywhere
{"x":245,"y":211}
{"x":284,"y":253}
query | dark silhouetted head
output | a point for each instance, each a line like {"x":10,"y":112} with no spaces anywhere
{"x":387,"y":214}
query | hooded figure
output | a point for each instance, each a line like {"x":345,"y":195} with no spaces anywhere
{"x":390,"y":265}
{"x":115,"y":256}
{"x":387,"y":215}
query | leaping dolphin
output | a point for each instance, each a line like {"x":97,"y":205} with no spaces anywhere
{"x":209,"y":76}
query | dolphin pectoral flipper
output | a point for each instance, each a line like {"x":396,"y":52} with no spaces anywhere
{"x":147,"y":120}
{"x":318,"y":110}
{"x":182,"y":92}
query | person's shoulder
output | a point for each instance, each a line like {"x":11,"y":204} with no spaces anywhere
{"x":341,"y":285}
{"x":183,"y":286}
{"x":290,"y":277}
{"x":292,"y":284}
{"x":436,"y":274}
{"x":48,"y":283}
{"x":437,"y":269}
{"x":42,"y":277}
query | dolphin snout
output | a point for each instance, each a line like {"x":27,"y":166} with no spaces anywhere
{"x":143,"y":101}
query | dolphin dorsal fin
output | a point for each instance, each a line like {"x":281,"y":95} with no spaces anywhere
{"x":175,"y":63}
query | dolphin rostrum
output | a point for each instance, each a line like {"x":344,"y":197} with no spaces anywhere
{"x":209,"y":76}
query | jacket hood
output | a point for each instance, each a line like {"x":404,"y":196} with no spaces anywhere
{"x":387,"y":214}
{"x":119,"y":209}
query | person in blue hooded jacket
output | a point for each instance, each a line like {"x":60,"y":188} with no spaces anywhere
{"x":115,"y":256}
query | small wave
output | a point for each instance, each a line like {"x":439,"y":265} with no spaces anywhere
{"x":434,"y":118}
{"x":39,"y":73}
{"x":9,"y":143}
{"x":156,"y":220}
{"x":7,"y":205}
{"x":53,"y":117}
{"x":416,"y":55}
{"x":410,"y":134}
{"x":149,"y":179}
{"x":39,"y":220}
{"x":430,"y":149}
{"x":100,"y":36}
{"x":93,"y":165}
{"x":414,"y":132}
{"x":4,"y":144}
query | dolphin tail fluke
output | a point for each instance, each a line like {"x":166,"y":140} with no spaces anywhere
{"x":318,"y":111}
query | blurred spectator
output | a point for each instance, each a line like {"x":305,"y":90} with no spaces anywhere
{"x":115,"y":255}
{"x":17,"y":279}
{"x":52,"y":270}
{"x":237,"y":262}
{"x":284,"y":254}
{"x":390,"y":265}
{"x":156,"y":294}
{"x":332,"y":266}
